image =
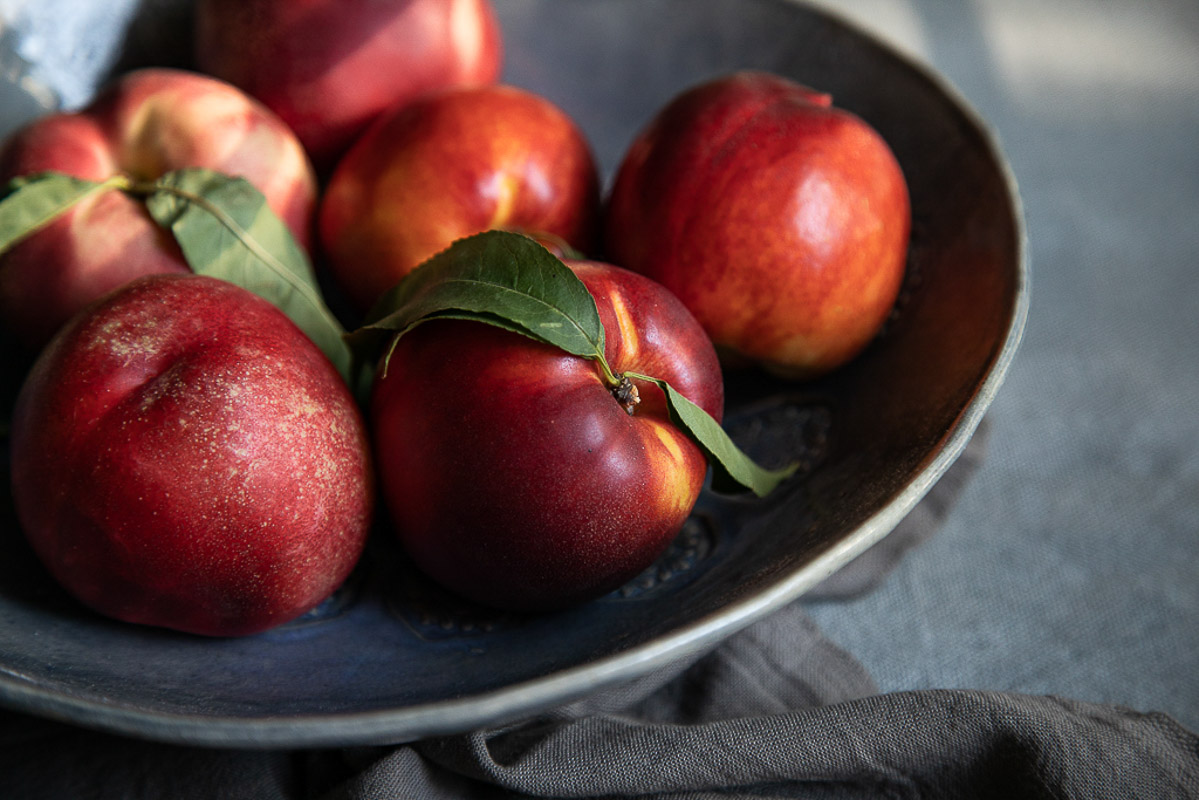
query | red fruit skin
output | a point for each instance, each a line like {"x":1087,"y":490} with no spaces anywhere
{"x":450,"y":165}
{"x":781,"y":221}
{"x":145,"y":124}
{"x":183,"y":456}
{"x":512,"y":474}
{"x":330,"y":67}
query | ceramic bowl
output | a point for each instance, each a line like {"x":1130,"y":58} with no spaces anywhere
{"x":391,"y":658}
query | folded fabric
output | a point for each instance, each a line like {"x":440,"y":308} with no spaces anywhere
{"x":780,"y":711}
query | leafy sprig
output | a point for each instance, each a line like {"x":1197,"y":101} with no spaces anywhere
{"x":224,"y":228}
{"x":510,"y":281}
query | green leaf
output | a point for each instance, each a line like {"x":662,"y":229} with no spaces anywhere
{"x":33,"y":201}
{"x":510,"y":281}
{"x":226,"y":230}
{"x":732,"y":469}
{"x":502,"y":278}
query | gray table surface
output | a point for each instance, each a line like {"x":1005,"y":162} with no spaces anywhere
{"x":1071,"y":563}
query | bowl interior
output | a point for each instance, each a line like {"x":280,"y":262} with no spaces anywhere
{"x":391,"y":658}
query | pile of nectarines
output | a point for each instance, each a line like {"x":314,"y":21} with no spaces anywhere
{"x":184,"y":456}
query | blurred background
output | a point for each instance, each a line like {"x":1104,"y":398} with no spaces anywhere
{"x":1070,"y":564}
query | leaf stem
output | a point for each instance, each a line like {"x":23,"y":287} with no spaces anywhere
{"x":611,"y":378}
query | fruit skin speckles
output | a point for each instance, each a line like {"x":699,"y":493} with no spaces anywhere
{"x":514,"y":476}
{"x":212,"y":476}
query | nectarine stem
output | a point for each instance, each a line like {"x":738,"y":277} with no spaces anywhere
{"x":627,"y":395}
{"x":130,"y":185}
{"x":621,"y":387}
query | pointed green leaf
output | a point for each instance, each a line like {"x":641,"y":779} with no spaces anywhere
{"x":502,"y":278}
{"x":34,"y":201}
{"x":511,"y":281}
{"x":226,"y":230}
{"x":732,"y":469}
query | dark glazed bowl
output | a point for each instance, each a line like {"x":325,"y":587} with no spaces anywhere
{"x":390,"y":659}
